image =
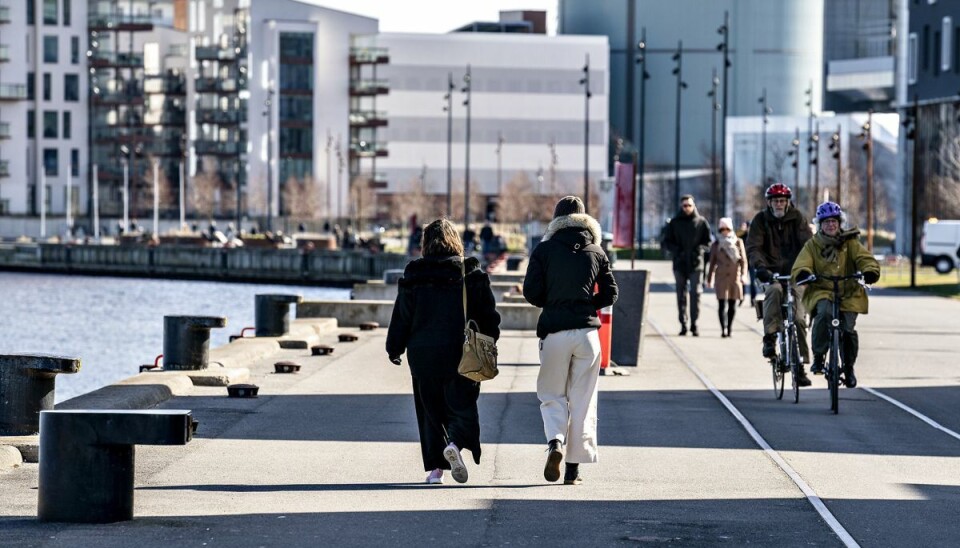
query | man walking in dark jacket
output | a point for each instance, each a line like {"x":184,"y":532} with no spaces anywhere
{"x":687,"y":238}
{"x":776,"y":236}
{"x":561,"y":275}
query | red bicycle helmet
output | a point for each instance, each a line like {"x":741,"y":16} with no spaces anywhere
{"x":778,"y":190}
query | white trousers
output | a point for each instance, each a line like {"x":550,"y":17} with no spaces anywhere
{"x":567,"y":388}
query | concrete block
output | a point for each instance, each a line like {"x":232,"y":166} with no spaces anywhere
{"x":9,"y":458}
{"x":27,"y":446}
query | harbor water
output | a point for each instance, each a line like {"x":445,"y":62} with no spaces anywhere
{"x":114,"y":325}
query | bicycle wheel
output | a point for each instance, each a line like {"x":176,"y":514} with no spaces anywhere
{"x":777,"y":377}
{"x":833,"y":374}
{"x":795,"y":366}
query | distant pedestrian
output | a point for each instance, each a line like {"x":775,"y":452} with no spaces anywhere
{"x":728,"y":266}
{"x":742,"y":233}
{"x":427,"y":324}
{"x":686,"y":237}
{"x":561,"y":275}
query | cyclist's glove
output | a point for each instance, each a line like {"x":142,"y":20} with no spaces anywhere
{"x":764,"y":275}
{"x":871,"y":277}
{"x":803,"y":275}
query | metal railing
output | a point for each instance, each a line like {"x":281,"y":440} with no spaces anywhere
{"x":369,"y":87}
{"x":13,"y":91}
{"x":369,"y":55}
{"x":216,"y":148}
{"x":4,"y":168}
{"x":364,"y":117}
{"x":5,"y":130}
{"x":206,"y":85}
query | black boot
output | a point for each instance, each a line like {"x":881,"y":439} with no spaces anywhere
{"x":849,"y":378}
{"x":571,"y":476}
{"x":850,"y":351}
{"x":818,"y":364}
{"x":802,"y":378}
{"x":551,"y":471}
{"x":693,"y":330}
{"x":769,"y":343}
{"x":683,"y":329}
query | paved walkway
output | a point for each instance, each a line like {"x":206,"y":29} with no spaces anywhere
{"x":330,"y":456}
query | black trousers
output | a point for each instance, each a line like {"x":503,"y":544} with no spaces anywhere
{"x":688,"y":282}
{"x":446,"y":413}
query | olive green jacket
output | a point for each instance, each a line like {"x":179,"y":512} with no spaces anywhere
{"x":851,"y":257}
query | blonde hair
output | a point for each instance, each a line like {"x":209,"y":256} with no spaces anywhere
{"x":440,"y":239}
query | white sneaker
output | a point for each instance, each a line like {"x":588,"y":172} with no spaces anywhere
{"x":435,"y":477}
{"x":457,"y":469}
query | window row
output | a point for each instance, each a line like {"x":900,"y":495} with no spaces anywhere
{"x":934,"y":51}
{"x":51,"y":12}
{"x":71,"y":87}
{"x":51,"y":162}
{"x":50,"y":125}
{"x":51,"y":49}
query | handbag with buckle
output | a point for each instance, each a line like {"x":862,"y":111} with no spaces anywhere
{"x":479,"y":360}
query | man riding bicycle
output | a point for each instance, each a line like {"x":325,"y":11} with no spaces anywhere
{"x":777,"y":234}
{"x":835,"y":252}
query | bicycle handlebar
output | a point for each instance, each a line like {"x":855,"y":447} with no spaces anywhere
{"x":855,"y":276}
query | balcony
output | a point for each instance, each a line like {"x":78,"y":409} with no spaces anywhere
{"x":165,"y":85}
{"x":120,"y":134}
{"x":116,"y":59}
{"x":13,"y":92}
{"x":119,"y":21}
{"x":221,"y":117}
{"x":4,"y":130}
{"x":215,"y":53}
{"x":216,"y":148}
{"x":369,"y":56}
{"x":167,"y":118}
{"x":4,"y":14}
{"x":4,"y":168}
{"x":368,"y":118}
{"x":378,"y":180}
{"x":367,"y":149}
{"x":362,"y":88}
{"x":131,"y":97}
{"x":4,"y":53}
{"x":216,"y":85}
{"x":867,"y":79}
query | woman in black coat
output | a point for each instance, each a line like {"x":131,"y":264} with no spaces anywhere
{"x":428,"y":324}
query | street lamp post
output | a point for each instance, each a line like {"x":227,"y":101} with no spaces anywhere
{"x":795,"y":154}
{"x":815,"y":163}
{"x":585,"y":82}
{"x":499,"y":151}
{"x":765,"y":111}
{"x":644,"y":76}
{"x":725,"y":48}
{"x":126,"y":191}
{"x":810,"y":117}
{"x":466,"y":180}
{"x":835,"y":146}
{"x":328,"y":150}
{"x":681,"y":85}
{"x":448,"y":108}
{"x":268,"y":112}
{"x":866,"y":134}
{"x":714,"y":107}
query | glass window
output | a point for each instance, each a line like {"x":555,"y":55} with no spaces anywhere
{"x":912,"y":58}
{"x":296,"y":107}
{"x":296,"y":44}
{"x":67,"y":125}
{"x":925,"y":54}
{"x":49,"y":12}
{"x":75,"y":50}
{"x":31,"y":85}
{"x":50,"y":44}
{"x":47,"y":86}
{"x":296,"y":77}
{"x":49,"y":124}
{"x":31,"y":125}
{"x":50,"y":163}
{"x":66,"y":13}
{"x":946,"y":46}
{"x":31,"y":6}
{"x":75,"y":162}
{"x":71,"y":87}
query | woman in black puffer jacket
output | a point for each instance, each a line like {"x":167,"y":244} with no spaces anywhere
{"x":428,"y":324}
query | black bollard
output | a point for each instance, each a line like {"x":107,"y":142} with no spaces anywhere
{"x":87,"y":464}
{"x":186,"y":341}
{"x":273,"y":314}
{"x":27,"y":386}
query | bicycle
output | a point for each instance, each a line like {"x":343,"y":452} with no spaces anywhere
{"x":787,"y":356}
{"x":833,"y":366}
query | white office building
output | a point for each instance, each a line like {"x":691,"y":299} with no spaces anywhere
{"x":527,"y":111}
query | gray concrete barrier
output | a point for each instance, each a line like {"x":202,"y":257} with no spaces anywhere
{"x":27,"y":387}
{"x":629,"y":316}
{"x":376,"y":290}
{"x":87,"y":460}
{"x":273,"y":314}
{"x":186,"y":341}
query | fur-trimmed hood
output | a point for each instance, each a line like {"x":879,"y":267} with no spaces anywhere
{"x":581,"y":221}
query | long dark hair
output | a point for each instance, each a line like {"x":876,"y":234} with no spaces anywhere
{"x":440,"y":239}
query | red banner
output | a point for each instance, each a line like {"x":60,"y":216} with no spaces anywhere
{"x":623,"y":217}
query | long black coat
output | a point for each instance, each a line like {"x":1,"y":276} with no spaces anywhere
{"x":774,"y":243}
{"x":687,"y":238}
{"x":427,"y":319}
{"x":561,"y":274}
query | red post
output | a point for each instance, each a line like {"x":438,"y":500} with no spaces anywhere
{"x":606,"y":335}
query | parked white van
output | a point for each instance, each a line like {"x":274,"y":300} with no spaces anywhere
{"x":940,"y":245}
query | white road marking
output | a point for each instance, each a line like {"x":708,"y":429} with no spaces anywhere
{"x":913,"y":412}
{"x":808,"y":491}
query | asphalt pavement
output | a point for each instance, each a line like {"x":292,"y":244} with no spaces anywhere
{"x":694,"y":450}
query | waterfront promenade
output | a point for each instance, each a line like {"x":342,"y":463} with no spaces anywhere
{"x":329,"y":456}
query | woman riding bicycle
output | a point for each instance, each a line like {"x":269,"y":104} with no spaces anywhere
{"x":835,"y":251}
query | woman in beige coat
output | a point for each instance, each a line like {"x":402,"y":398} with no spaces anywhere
{"x":728,"y":265}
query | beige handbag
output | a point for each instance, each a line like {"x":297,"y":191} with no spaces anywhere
{"x":479,"y":360}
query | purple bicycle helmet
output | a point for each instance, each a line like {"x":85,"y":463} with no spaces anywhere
{"x":828,"y":210}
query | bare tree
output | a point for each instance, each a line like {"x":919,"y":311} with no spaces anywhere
{"x":205,"y":192}
{"x":414,"y":201}
{"x":943,"y":191}
{"x":519,"y":202}
{"x":300,"y":198}
{"x":144,"y":198}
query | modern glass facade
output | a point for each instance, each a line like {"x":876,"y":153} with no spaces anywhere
{"x":296,"y":108}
